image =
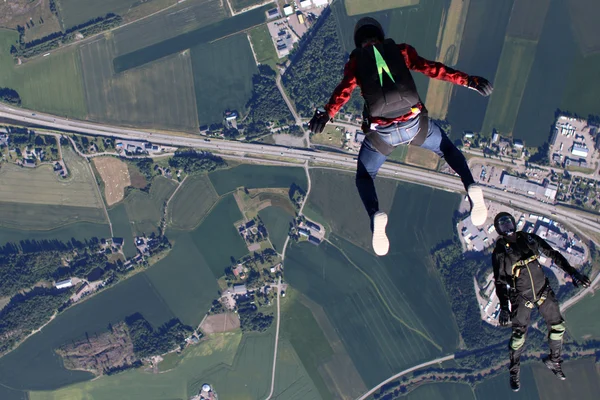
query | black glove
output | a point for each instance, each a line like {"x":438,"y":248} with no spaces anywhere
{"x":580,"y":279}
{"x":318,"y":121}
{"x":504,"y":317}
{"x":480,"y":85}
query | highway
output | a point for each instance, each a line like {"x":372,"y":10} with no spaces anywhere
{"x":576,"y":218}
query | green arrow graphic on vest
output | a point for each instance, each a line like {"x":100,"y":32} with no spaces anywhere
{"x":382,"y":66}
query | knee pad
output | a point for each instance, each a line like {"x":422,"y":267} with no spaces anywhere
{"x":557,"y":331}
{"x":517,"y":340}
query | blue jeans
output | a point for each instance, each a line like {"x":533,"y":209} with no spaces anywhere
{"x":370,"y":160}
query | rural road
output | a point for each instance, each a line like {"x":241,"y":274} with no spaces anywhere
{"x":292,"y":109}
{"x":276,"y":339}
{"x":406,"y":371}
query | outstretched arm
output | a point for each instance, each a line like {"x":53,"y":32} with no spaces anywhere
{"x":343,"y":91}
{"x":555,"y":255}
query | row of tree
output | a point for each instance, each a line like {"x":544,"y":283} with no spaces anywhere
{"x":192,"y":161}
{"x":149,"y":342}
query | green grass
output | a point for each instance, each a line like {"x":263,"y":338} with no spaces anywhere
{"x":497,"y":388}
{"x":192,"y":202}
{"x":257,"y":176}
{"x":9,"y":394}
{"x":301,"y":330}
{"x":356,"y":7}
{"x":79,"y":231}
{"x":218,"y":239}
{"x":291,"y":379}
{"x":45,"y":217}
{"x":35,"y":366}
{"x":222,"y":77}
{"x":263,"y":46}
{"x":334,"y":201}
{"x":122,"y":228}
{"x":399,"y":154}
{"x":75,"y":12}
{"x":277,"y":221}
{"x":509,"y":84}
{"x":187,"y":16}
{"x":185,"y":280}
{"x":159,"y":94}
{"x":442,"y":391}
{"x":578,"y":318}
{"x":50,"y":84}
{"x":145,"y":210}
{"x":583,"y":381}
{"x":191,"y":366}
{"x":583,"y":84}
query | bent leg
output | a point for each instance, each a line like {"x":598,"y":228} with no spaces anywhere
{"x":438,"y":142}
{"x":556,"y":325}
{"x":368,"y":164}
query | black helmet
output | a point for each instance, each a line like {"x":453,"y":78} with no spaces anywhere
{"x":367,"y":28}
{"x":497,"y":219}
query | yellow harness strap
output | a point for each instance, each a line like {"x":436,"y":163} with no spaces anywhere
{"x":521,"y":264}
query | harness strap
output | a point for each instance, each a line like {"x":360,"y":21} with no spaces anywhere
{"x":521,"y":264}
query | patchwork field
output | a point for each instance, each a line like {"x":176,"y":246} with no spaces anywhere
{"x":587,"y":32}
{"x":257,"y":176}
{"x":448,"y":48}
{"x":42,"y":186}
{"x":115,"y":174}
{"x":218,"y":239}
{"x":80,"y":231}
{"x":579,"y":323}
{"x":222,"y":77}
{"x":172,"y":384}
{"x":356,"y":7}
{"x":582,"y":86}
{"x":123,"y":228}
{"x":291,"y":379}
{"x":277,"y":221}
{"x":497,"y":388}
{"x":75,"y":12}
{"x":145,"y":210}
{"x":442,"y":391}
{"x":184,"y":17}
{"x":192,"y":202}
{"x":583,"y":381}
{"x":220,"y":323}
{"x":527,"y":19}
{"x":26,"y":216}
{"x":239,"y":5}
{"x":23,"y":12}
{"x":263,"y":46}
{"x":156,"y":95}
{"x":207,"y":34}
{"x":49,"y":84}
{"x":509,"y":84}
{"x":421,"y":157}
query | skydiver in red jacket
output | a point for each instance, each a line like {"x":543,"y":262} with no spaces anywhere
{"x":396,"y":115}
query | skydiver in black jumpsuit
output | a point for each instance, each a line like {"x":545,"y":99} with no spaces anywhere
{"x":519,"y":278}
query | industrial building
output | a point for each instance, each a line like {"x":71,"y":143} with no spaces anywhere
{"x":305,"y":3}
{"x":67,"y":283}
{"x":288,"y":10}
{"x":530,"y":188}
{"x":579,"y":150}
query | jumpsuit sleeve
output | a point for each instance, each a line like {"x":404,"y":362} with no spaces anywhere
{"x":555,"y":255}
{"x":432,"y":69}
{"x":500,"y":278}
{"x":344,"y":89}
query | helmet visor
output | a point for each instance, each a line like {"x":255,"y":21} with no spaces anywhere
{"x":506,"y":225}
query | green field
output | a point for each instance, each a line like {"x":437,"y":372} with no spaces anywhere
{"x":138,"y":384}
{"x":50,"y":84}
{"x":334,"y":201}
{"x":583,"y":381}
{"x":158,"y":95}
{"x":579,"y":323}
{"x":79,"y":231}
{"x":291,"y":380}
{"x":301,"y":330}
{"x":583,"y":83}
{"x":35,"y":366}
{"x":222,"y":77}
{"x":45,"y":217}
{"x":9,"y":394}
{"x":238,"y":5}
{"x":218,"y":239}
{"x":184,"y":17}
{"x":509,"y":84}
{"x":527,"y":19}
{"x":208,"y":34}
{"x":192,"y":202}
{"x":145,"y":210}
{"x":184,"y":280}
{"x":497,"y":388}
{"x":277,"y":221}
{"x":257,"y":176}
{"x":442,"y":391}
{"x":76,"y":12}
{"x":123,"y":228}
{"x":263,"y":46}
{"x":356,"y":7}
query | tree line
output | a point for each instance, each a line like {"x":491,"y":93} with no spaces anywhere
{"x":10,"y":96}
{"x":149,"y":342}
{"x":192,"y":161}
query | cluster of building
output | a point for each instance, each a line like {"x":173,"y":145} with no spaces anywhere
{"x":310,"y":231}
{"x":546,"y":191}
{"x":572,"y":142}
{"x":137,"y":147}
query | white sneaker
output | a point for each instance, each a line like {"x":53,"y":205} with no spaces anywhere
{"x":478,"y":208}
{"x":381,"y":244}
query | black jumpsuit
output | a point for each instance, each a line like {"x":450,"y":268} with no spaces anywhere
{"x":528,"y":288}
